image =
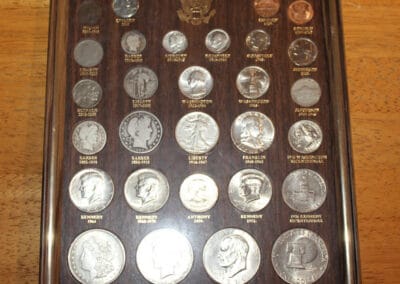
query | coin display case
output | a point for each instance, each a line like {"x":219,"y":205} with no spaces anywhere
{"x":234,"y":111}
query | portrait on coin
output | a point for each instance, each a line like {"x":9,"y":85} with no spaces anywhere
{"x":96,"y":259}
{"x":133,"y":43}
{"x":197,"y":83}
{"x":166,"y":258}
{"x":92,"y":189}
{"x":232,"y":255}
{"x":253,"y":133}
{"x":251,"y":186}
{"x":141,"y":130}
{"x":147,"y":189}
{"x":89,"y":136}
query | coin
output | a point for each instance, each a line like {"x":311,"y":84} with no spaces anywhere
{"x":87,"y":93}
{"x":197,"y":133}
{"x":198,"y":193}
{"x":140,"y":83}
{"x":89,"y":137}
{"x":218,"y":41}
{"x":196,"y":82}
{"x":140,"y":132}
{"x":88,"y":53}
{"x":300,"y":256}
{"x":164,"y":256}
{"x":253,"y":82}
{"x":125,"y":8}
{"x":306,"y":92}
{"x":258,"y":41}
{"x":252,"y":132}
{"x":175,"y":42}
{"x":89,"y":13}
{"x":133,"y":42}
{"x":96,"y":256}
{"x":303,"y":51}
{"x":300,"y":12}
{"x":231,"y":256}
{"x":266,"y":8}
{"x":305,"y":136}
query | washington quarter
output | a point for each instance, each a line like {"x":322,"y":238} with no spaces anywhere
{"x":89,"y":137}
{"x":125,"y":8}
{"x":218,"y":41}
{"x":88,"y":53}
{"x":266,"y":8}
{"x":303,"y":52}
{"x":87,"y":93}
{"x":253,"y":82}
{"x":133,"y":42}
{"x":196,"y":82}
{"x":306,"y":92}
{"x":140,"y":83}
{"x":175,"y":42}
{"x":258,"y":41}
{"x":305,"y":136}
{"x":89,"y":13}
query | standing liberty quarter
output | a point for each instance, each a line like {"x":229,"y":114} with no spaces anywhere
{"x":140,"y":83}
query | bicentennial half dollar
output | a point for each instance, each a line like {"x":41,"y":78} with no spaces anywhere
{"x":175,"y":42}
{"x":253,"y":82}
{"x":258,"y":41}
{"x":218,"y":41}
{"x":88,"y":53}
{"x":306,"y":92}
{"x":133,"y":42}
{"x":125,"y":8}
{"x":87,"y":93}
{"x":196,"y":82}
{"x":89,"y":137}
{"x":303,"y":52}
{"x":140,"y":83}
{"x":305,"y":136}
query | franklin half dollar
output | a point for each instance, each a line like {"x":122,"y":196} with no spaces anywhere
{"x":258,"y":41}
{"x":306,"y":92}
{"x":300,"y":256}
{"x":87,"y":93}
{"x":253,"y":82}
{"x":140,"y":83}
{"x":125,"y":8}
{"x":89,"y":137}
{"x":218,"y":41}
{"x":303,"y":52}
{"x":133,"y":42}
{"x":231,"y":256}
{"x":175,"y":42}
{"x":305,"y":136}
{"x":88,"y":53}
{"x":196,"y":82}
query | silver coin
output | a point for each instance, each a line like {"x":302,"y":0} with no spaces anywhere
{"x":125,"y":8}
{"x":218,"y":41}
{"x":91,"y":190}
{"x":96,"y":257}
{"x":133,"y":42}
{"x":140,"y":132}
{"x":198,"y":193}
{"x":305,"y":136}
{"x":175,"y":42}
{"x":306,"y":92}
{"x":231,"y":256}
{"x":87,"y":93}
{"x":300,"y":256}
{"x":196,"y":82}
{"x":303,"y":52}
{"x":253,"y":82}
{"x":304,"y":190}
{"x":197,"y":133}
{"x":140,"y":83}
{"x":250,"y":190}
{"x":89,"y":137}
{"x":258,"y":41}
{"x":88,"y":53}
{"x":252,"y":132}
{"x":164,"y":256}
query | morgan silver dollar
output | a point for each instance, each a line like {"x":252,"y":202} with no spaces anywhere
{"x":88,"y":53}
{"x":196,"y":82}
{"x":175,"y":42}
{"x":87,"y":93}
{"x":133,"y":42}
{"x":305,"y":136}
{"x":253,"y":82}
{"x":140,"y":83}
{"x":218,"y":41}
{"x":303,"y":52}
{"x":306,"y":92}
{"x":89,"y":137}
{"x":125,"y":8}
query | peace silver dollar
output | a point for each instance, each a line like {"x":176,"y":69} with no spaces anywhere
{"x":196,"y":82}
{"x":125,"y":8}
{"x":253,"y":82}
{"x":305,"y":136}
{"x":87,"y":93}
{"x":140,"y":83}
{"x":88,"y":53}
{"x":89,"y":137}
{"x":133,"y":42}
{"x":306,"y":92}
{"x":175,"y":42}
{"x":258,"y":41}
{"x":218,"y":41}
{"x":303,"y":52}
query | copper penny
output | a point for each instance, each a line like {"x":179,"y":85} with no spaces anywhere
{"x":300,"y":12}
{"x":267,"y":8}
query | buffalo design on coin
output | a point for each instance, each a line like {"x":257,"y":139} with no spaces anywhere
{"x":253,"y":82}
{"x":88,"y":53}
{"x":306,"y":92}
{"x":258,"y":41}
{"x":96,"y":257}
{"x":89,"y":13}
{"x":300,"y":12}
{"x":266,"y":8}
{"x":305,"y":136}
{"x":300,"y":256}
{"x":303,"y":51}
{"x":87,"y":93}
{"x":218,"y":41}
{"x":140,"y":83}
{"x":175,"y":42}
{"x":125,"y":8}
{"x":231,"y":256}
{"x":133,"y":42}
{"x":196,"y":82}
{"x":89,"y":137}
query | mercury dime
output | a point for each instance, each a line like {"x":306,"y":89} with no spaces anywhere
{"x":87,"y":93}
{"x":175,"y":42}
{"x":266,"y":8}
{"x":96,"y":257}
{"x":306,"y":92}
{"x":300,"y":12}
{"x":125,"y":8}
{"x":231,"y":256}
{"x":196,"y":82}
{"x":88,"y":53}
{"x":303,"y":52}
{"x":305,"y":136}
{"x":89,"y":13}
{"x":140,"y":83}
{"x":258,"y":41}
{"x":89,"y":137}
{"x":300,"y":256}
{"x":133,"y":42}
{"x":164,"y":256}
{"x":253,"y":82}
{"x":218,"y":41}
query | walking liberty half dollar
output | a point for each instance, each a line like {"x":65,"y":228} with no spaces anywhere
{"x":303,"y":52}
{"x":253,"y":82}
{"x":88,"y":53}
{"x":218,"y":41}
{"x":231,"y":256}
{"x":175,"y":42}
{"x":140,"y":83}
{"x":306,"y":92}
{"x":196,"y":82}
{"x":305,"y":136}
{"x":125,"y":8}
{"x":133,"y":42}
{"x":87,"y":93}
{"x":89,"y":137}
{"x":96,"y":257}
{"x":300,"y":256}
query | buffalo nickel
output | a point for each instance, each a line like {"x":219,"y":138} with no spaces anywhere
{"x":125,"y":8}
{"x":196,"y":82}
{"x":89,"y":137}
{"x":87,"y":93}
{"x":306,"y":92}
{"x":88,"y":53}
{"x":218,"y":41}
{"x":133,"y":42}
{"x":258,"y":41}
{"x":253,"y":82}
{"x":140,"y":83}
{"x":89,"y":13}
{"x":305,"y":136}
{"x":175,"y":42}
{"x":303,"y":52}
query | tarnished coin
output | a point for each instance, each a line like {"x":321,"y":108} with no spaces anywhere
{"x":196,"y":82}
{"x":164,"y":256}
{"x":306,"y":92}
{"x":218,"y":41}
{"x":125,"y":8}
{"x":250,"y":190}
{"x":300,"y":12}
{"x":87,"y":93}
{"x":175,"y":42}
{"x":300,"y":256}
{"x":140,"y":132}
{"x":303,"y":51}
{"x":258,"y":41}
{"x":253,"y":82}
{"x":140,"y":83}
{"x":231,"y":256}
{"x":146,"y":190}
{"x":88,"y":53}
{"x":305,"y":136}
{"x":89,"y":137}
{"x":91,"y":190}
{"x":89,"y":13}
{"x":197,"y":133}
{"x":252,"y":132}
{"x":133,"y":42}
{"x":96,"y":257}
{"x":304,"y":190}
{"x":199,"y":193}
{"x":266,"y":8}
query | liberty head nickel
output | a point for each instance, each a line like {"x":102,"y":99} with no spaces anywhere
{"x":125,"y":8}
{"x":196,"y":82}
{"x":300,"y":12}
{"x":231,"y":256}
{"x":89,"y":137}
{"x":300,"y":256}
{"x":218,"y":41}
{"x":266,"y":8}
{"x":258,"y":41}
{"x":87,"y":93}
{"x":140,"y":83}
{"x":88,"y":53}
{"x":303,"y":52}
{"x":96,"y":257}
{"x":253,"y":82}
{"x":175,"y":42}
{"x":306,"y":92}
{"x":133,"y":42}
{"x":305,"y":136}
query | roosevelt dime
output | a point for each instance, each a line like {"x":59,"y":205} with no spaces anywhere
{"x":89,"y":137}
{"x":258,"y":41}
{"x":133,"y":42}
{"x":196,"y":82}
{"x":175,"y":42}
{"x":87,"y":93}
{"x":218,"y":41}
{"x":303,"y":52}
{"x":306,"y":92}
{"x":88,"y":53}
{"x":89,"y":13}
{"x":305,"y":136}
{"x":140,"y":83}
{"x":125,"y":8}
{"x":253,"y":82}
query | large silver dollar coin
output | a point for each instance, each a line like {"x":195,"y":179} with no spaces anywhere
{"x":133,"y":42}
{"x":231,"y":256}
{"x":300,"y":256}
{"x":140,"y":83}
{"x":306,"y":92}
{"x":196,"y":82}
{"x":175,"y":42}
{"x":125,"y":8}
{"x":258,"y":41}
{"x":88,"y":53}
{"x":91,"y":190}
{"x":164,"y":256}
{"x":146,"y":190}
{"x":305,"y":136}
{"x":218,"y":41}
{"x":197,"y":133}
{"x":89,"y":137}
{"x":96,"y":257}
{"x":253,"y":82}
{"x":87,"y":93}
{"x":252,"y":132}
{"x":303,"y":52}
{"x":140,"y":132}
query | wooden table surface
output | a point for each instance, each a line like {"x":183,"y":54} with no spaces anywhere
{"x":372,"y":36}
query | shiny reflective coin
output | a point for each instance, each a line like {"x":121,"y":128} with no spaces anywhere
{"x":305,"y":136}
{"x":89,"y":137}
{"x":196,"y":82}
{"x":133,"y":42}
{"x":146,"y":190}
{"x":266,"y":8}
{"x":96,"y":257}
{"x":306,"y":92}
{"x":175,"y":42}
{"x":250,"y":190}
{"x":164,"y":256}
{"x":218,"y":41}
{"x":88,"y":53}
{"x":197,"y":133}
{"x":231,"y":256}
{"x":140,"y":132}
{"x":252,"y":132}
{"x":89,"y":13}
{"x":140,"y":83}
{"x":87,"y":93}
{"x":258,"y":41}
{"x":253,"y":82}
{"x":303,"y":52}
{"x":125,"y":8}
{"x":300,"y":12}
{"x":304,"y":190}
{"x":199,"y":193}
{"x":300,"y":256}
